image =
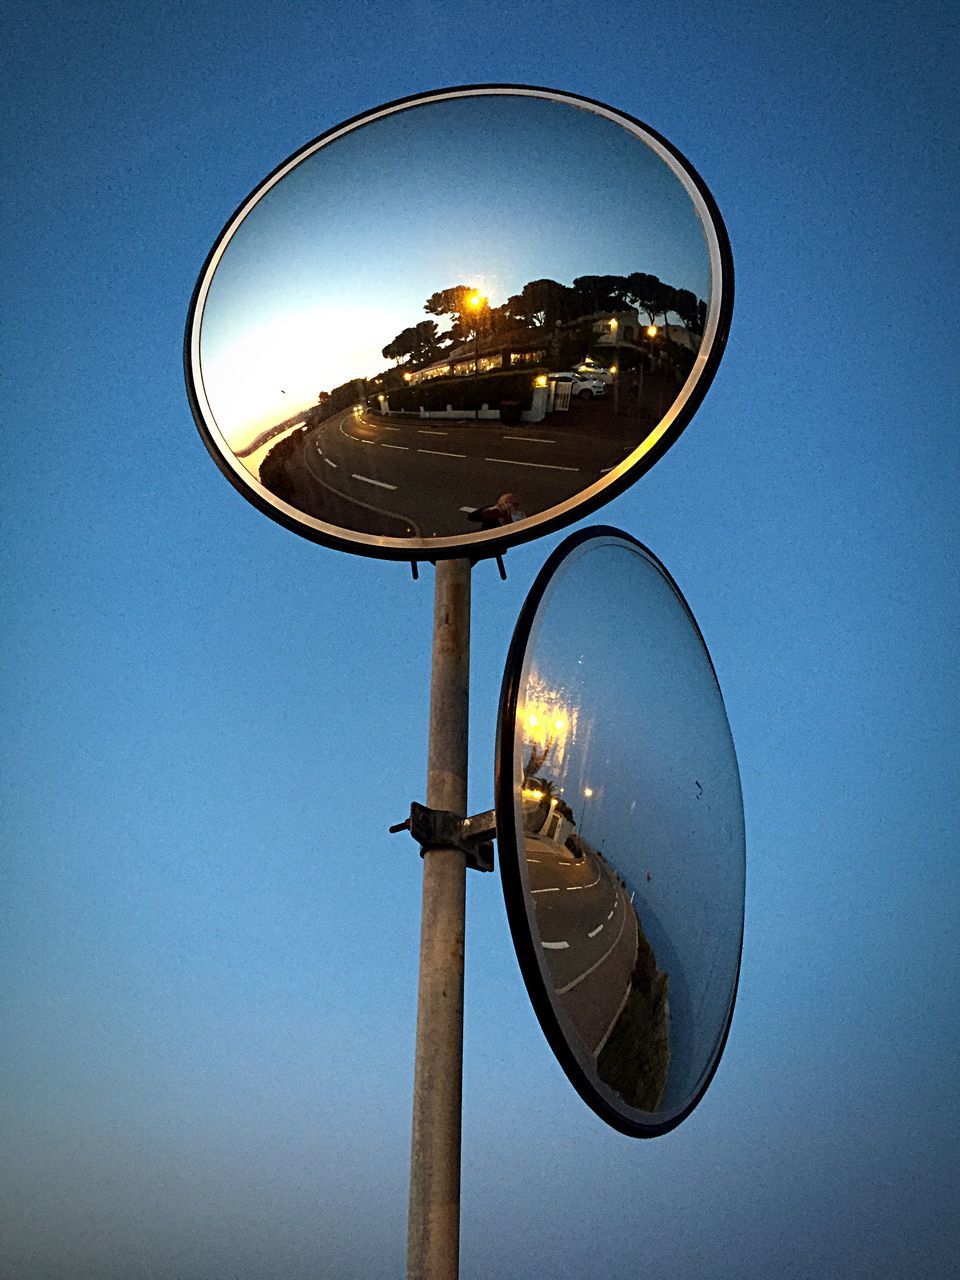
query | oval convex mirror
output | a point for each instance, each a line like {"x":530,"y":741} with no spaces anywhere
{"x":458,"y":321}
{"x":620,"y":831}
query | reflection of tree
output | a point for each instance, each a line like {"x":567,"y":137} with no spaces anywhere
{"x":542,"y":304}
{"x":453,"y":302}
{"x":419,"y":343}
{"x":601,"y":293}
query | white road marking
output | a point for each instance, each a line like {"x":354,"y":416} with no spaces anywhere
{"x":379,"y":483}
{"x":554,"y":889}
{"x":613,"y":1021}
{"x":429,"y":431}
{"x":611,"y":913}
{"x":533,"y":859}
{"x":384,"y":427}
{"x":468,"y":510}
{"x":330,"y":462}
{"x":604,"y":470}
{"x":571,"y":887}
{"x":632,"y":896}
{"x":555,"y":946}
{"x":593,"y":932}
{"x":531,"y":439}
{"x":544,"y":466}
{"x":405,"y":447}
{"x":439,"y":453}
{"x":366,"y":442}
{"x":586,"y":973}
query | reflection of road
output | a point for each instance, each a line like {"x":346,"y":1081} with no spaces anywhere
{"x":589,"y":934}
{"x":424,"y":475}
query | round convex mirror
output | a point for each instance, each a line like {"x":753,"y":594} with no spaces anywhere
{"x":458,"y":321}
{"x":620,"y":831}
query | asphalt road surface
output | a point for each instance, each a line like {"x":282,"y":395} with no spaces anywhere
{"x":589,"y":934}
{"x":420,"y":477}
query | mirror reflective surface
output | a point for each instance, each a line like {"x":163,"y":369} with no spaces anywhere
{"x":458,"y":320}
{"x":620,"y":831}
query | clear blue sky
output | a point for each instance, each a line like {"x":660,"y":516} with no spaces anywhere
{"x":208,"y":941}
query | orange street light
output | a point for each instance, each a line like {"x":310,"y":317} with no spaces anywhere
{"x":476,"y":301}
{"x":652,"y":330}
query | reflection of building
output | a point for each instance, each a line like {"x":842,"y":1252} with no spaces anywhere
{"x":508,"y":349}
{"x":607,"y":339}
{"x":543,"y":816}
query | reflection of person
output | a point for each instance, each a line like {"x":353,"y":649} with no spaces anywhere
{"x":506,"y":510}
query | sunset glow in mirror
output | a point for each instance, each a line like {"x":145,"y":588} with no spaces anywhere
{"x":459,"y":320}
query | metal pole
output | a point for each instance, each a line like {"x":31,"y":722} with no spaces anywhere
{"x":433,"y":1233}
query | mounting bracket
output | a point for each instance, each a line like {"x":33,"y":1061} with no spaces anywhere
{"x":440,"y":829}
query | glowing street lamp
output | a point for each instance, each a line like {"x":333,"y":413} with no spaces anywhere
{"x":475,"y":302}
{"x":587,"y":793}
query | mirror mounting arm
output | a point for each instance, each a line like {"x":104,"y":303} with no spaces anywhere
{"x":440,"y":829}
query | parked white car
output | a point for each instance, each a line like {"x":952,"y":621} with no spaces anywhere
{"x":583,"y":388}
{"x":595,"y":372}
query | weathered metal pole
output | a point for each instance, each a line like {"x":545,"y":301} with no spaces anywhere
{"x":433,"y":1233}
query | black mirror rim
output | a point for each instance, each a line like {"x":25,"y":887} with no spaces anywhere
{"x":484,"y":544}
{"x":509,"y":853}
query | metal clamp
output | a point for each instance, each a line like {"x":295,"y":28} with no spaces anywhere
{"x":440,"y":829}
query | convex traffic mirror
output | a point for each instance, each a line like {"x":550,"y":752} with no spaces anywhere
{"x":620,"y":831}
{"x":458,"y":321}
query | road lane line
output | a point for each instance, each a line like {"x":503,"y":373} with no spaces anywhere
{"x":543,"y":466}
{"x":440,"y":453}
{"x":610,"y":916}
{"x":429,"y":431}
{"x":531,"y":439}
{"x":412,"y":528}
{"x":379,"y":483}
{"x":554,"y":946}
{"x":571,"y":887}
{"x":593,"y":932}
{"x":614,"y":1020}
{"x":554,"y":889}
{"x":586,"y":973}
{"x":330,"y":462}
{"x":468,"y":511}
{"x":405,"y":447}
{"x":366,"y":442}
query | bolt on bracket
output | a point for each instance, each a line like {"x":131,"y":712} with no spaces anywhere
{"x":440,"y":829}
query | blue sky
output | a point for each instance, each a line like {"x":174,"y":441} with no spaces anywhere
{"x":208,"y":940}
